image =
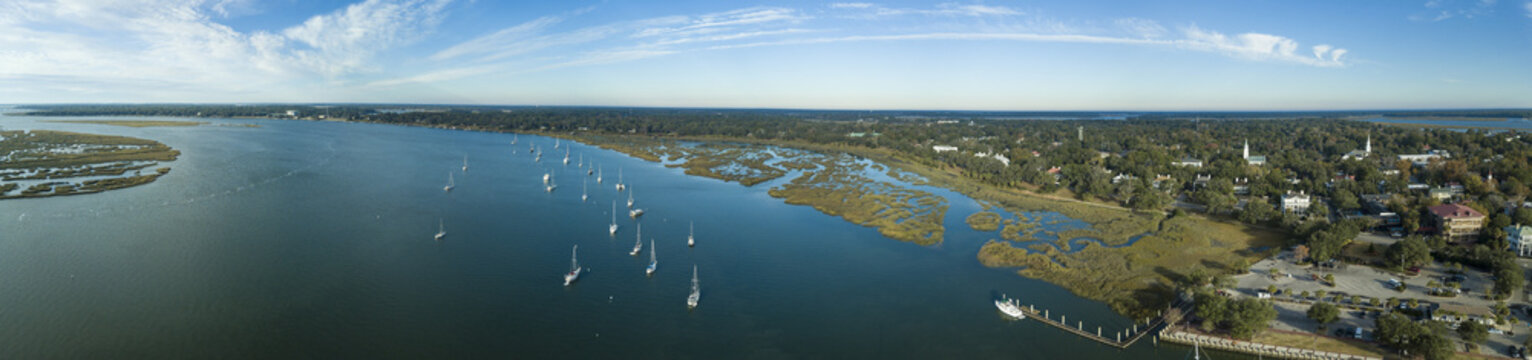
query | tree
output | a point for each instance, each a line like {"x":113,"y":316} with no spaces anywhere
{"x":1242,"y":318}
{"x":1473,"y":332}
{"x":1271,"y":289}
{"x":1320,"y":294}
{"x":1318,"y":209}
{"x":1257,"y":211}
{"x":1300,"y":252}
{"x":1399,"y":332}
{"x":1330,"y":279}
{"x":1240,"y":266}
{"x":1345,"y":200}
{"x":1324,"y":313}
{"x":1410,"y":252}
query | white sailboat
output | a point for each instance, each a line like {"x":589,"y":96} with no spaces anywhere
{"x":465,"y":163}
{"x":552,"y":186}
{"x":584,"y":190}
{"x":555,"y":143}
{"x":598,"y":174}
{"x":638,"y":245}
{"x":546,"y":177}
{"x":691,"y":239}
{"x":620,"y":186}
{"x":566,"y":156}
{"x":449,"y":186}
{"x":613,"y":229}
{"x":653,"y":262}
{"x":581,"y":164}
{"x":513,"y":139}
{"x":441,"y":230}
{"x":574,"y":266}
{"x":539,"y":157}
{"x":696,"y":295}
{"x":630,"y":199}
{"x":635,"y":213}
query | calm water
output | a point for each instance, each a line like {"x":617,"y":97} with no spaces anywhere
{"x":1498,"y":126}
{"x":313,"y":240}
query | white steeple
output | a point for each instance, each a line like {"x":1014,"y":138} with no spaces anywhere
{"x":1369,"y":143}
{"x":1247,"y":149}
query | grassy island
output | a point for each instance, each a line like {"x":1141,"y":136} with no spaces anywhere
{"x":51,"y":160}
{"x":834,"y":185}
{"x":984,"y":221}
{"x":134,"y":123}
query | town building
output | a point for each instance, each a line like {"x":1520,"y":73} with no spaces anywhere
{"x":1457,"y":221}
{"x":1188,"y":161}
{"x":1295,"y":202}
{"x":1425,"y":159}
{"x":943,"y":148}
{"x":1360,"y":154}
{"x":1520,"y":238}
{"x":1253,"y":160}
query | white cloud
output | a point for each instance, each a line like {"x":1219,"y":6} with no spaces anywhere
{"x":1528,"y":6}
{"x":1258,"y":46}
{"x":177,"y":48}
{"x":863,"y":10}
{"x":1143,"y":28}
{"x":1438,"y":10}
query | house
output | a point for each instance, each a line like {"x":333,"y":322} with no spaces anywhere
{"x":1122,"y":177}
{"x":1295,"y":202}
{"x":996,"y":156}
{"x":943,"y":148}
{"x":1520,"y":238}
{"x":1455,"y":220}
{"x":1454,"y":314}
{"x":1201,"y":181}
{"x":1441,"y":193}
{"x":1188,"y":161}
{"x":1242,"y":186}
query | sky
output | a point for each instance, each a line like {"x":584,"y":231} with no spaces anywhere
{"x":905,"y":55}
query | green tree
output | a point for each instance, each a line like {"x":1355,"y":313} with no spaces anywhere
{"x":1345,"y":200}
{"x":1257,"y":211}
{"x":1421,"y":339}
{"x":1473,"y":332}
{"x":1330,"y":279}
{"x":1324,"y":313}
{"x":1407,"y":253}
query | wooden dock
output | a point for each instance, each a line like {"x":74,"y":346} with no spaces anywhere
{"x":1118,"y":338}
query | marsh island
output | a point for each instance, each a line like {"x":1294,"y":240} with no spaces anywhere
{"x":47,"y":163}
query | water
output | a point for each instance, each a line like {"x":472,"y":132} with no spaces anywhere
{"x":314,"y":240}
{"x":1464,"y":125}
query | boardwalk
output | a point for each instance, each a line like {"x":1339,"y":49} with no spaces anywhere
{"x":1120,"y":339}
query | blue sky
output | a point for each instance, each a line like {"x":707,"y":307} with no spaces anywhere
{"x":1015,"y":55}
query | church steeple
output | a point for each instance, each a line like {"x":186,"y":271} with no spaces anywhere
{"x":1369,"y":143}
{"x":1247,"y":149}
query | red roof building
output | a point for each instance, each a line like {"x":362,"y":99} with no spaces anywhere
{"x":1456,"y":220}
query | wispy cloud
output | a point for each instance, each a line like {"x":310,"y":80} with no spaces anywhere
{"x":178,"y":46}
{"x":1528,"y":7}
{"x":1258,"y":46}
{"x":869,"y":10}
{"x":1438,"y":10}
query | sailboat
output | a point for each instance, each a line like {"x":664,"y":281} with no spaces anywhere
{"x":513,"y":139}
{"x":653,"y":263}
{"x":441,"y":230}
{"x":613,"y":229}
{"x":638,"y":245}
{"x":449,"y":186}
{"x":574,"y":266}
{"x":584,"y":190}
{"x":635,"y":213}
{"x":696,"y":295}
{"x":691,"y":239}
{"x":598,"y":174}
{"x":546,"y":176}
{"x":630,"y":199}
{"x":566,"y":156}
{"x":552,"y":186}
{"x":465,"y":163}
{"x":581,"y":164}
{"x":555,"y":143}
{"x":539,"y":154}
{"x":620,"y":186}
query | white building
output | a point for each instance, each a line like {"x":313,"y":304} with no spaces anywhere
{"x":1295,"y":202}
{"x":1360,"y":154}
{"x":1253,"y":160}
{"x":943,"y":148}
{"x":1520,"y":237}
{"x":1425,"y":159}
{"x":1188,"y":162}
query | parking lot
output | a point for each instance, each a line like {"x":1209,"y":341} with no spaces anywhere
{"x":1368,"y":283}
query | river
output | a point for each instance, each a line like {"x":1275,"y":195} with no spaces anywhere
{"x":301,"y":239}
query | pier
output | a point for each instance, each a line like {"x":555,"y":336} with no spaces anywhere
{"x":1121,"y":339}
